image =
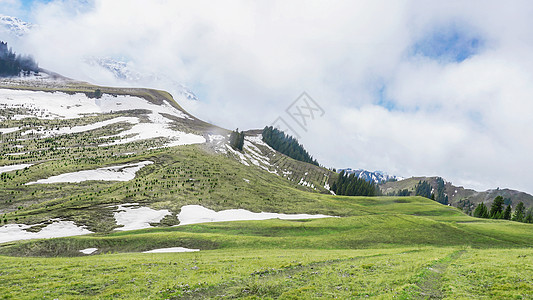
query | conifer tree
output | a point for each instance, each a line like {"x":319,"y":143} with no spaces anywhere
{"x":423,"y":189}
{"x":496,"y":209}
{"x":519,"y":212}
{"x":481,"y":211}
{"x":286,"y":144}
{"x":507,"y":213}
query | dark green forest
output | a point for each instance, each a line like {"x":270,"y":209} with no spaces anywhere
{"x":12,"y":64}
{"x":287,"y":145}
{"x":497,"y":211}
{"x":350,"y":185}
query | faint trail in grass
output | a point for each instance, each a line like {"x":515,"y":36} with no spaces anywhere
{"x":430,"y":284}
{"x":247,"y":286}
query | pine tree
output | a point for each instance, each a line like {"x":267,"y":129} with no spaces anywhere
{"x":481,"y":211}
{"x":286,"y":144}
{"x":519,"y":212}
{"x":423,"y":189}
{"x":507,"y":213}
{"x":496,"y":209}
{"x":236,"y":139}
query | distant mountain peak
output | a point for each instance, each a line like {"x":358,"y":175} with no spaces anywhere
{"x":376,"y":176}
{"x":14,"y":26}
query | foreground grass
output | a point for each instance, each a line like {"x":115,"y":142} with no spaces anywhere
{"x":285,"y":274}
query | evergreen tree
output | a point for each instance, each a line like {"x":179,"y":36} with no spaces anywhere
{"x":440,"y":195}
{"x":481,"y":211}
{"x":423,"y":189}
{"x":507,"y":213}
{"x":12,"y":64}
{"x":350,"y":185}
{"x":529,"y":216}
{"x":286,"y":144}
{"x":496,"y":209}
{"x":519,"y":212}
{"x":236,"y":139}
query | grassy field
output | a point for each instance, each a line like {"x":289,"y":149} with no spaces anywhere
{"x":405,"y":248}
{"x":399,"y":272}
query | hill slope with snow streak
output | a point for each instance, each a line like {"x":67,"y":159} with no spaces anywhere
{"x":74,"y":154}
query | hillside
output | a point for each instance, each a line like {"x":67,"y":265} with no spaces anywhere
{"x":59,"y":137}
{"x":458,"y":195}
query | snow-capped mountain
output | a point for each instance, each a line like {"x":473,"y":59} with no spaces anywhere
{"x":376,"y":176}
{"x":14,"y":26}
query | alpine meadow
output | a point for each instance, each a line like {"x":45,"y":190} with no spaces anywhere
{"x":113,"y":184}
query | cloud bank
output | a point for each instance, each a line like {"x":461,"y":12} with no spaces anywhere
{"x":408,"y":87}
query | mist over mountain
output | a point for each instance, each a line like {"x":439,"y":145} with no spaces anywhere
{"x":12,"y":64}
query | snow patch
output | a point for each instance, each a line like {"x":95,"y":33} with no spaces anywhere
{"x":194,"y":214}
{"x":115,"y":173}
{"x":89,"y":251}
{"x":17,"y":232}
{"x":4,"y":169}
{"x":172,"y":250}
{"x":9,"y":130}
{"x":138,"y":217}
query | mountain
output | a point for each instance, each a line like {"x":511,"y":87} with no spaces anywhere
{"x":376,"y":176}
{"x":75,"y":152}
{"x":14,"y":26}
{"x":458,"y":196}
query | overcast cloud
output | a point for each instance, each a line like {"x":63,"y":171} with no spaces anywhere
{"x":409,"y":87}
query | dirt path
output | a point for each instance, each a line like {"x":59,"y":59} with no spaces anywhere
{"x":430,"y":283}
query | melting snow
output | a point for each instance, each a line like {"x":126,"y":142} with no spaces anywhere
{"x":115,"y":173}
{"x":138,"y":217}
{"x":16,"y":232}
{"x":4,"y":169}
{"x":193,"y":214}
{"x":8,"y":130}
{"x":172,"y":250}
{"x":89,"y":250}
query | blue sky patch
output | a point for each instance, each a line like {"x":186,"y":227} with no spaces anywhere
{"x":448,"y":44}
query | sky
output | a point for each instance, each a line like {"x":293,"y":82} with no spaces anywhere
{"x":412,"y":88}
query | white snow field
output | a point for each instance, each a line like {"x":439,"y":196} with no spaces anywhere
{"x":47,"y":105}
{"x":115,"y":173}
{"x":16,"y":232}
{"x":4,"y":169}
{"x":194,"y":214}
{"x":138,"y":217}
{"x":172,"y":250}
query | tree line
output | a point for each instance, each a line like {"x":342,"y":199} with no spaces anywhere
{"x":12,"y":64}
{"x":497,"y":211}
{"x":351,"y":185}
{"x":286,"y":144}
{"x":424,"y":189}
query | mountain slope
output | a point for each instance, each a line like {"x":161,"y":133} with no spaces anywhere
{"x":466,"y":199}
{"x":74,"y":152}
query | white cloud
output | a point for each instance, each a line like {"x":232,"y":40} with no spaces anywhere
{"x":469,"y":122}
